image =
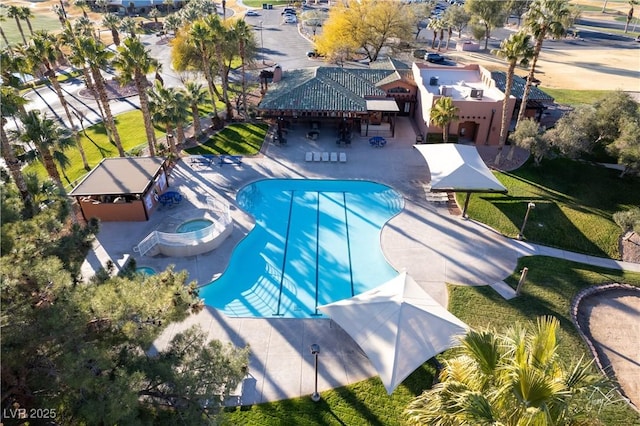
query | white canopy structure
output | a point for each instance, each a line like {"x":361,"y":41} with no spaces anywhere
{"x":458,"y":168}
{"x":398,"y":325}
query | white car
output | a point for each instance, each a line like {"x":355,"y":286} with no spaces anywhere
{"x":251,"y":13}
{"x":290,"y":19}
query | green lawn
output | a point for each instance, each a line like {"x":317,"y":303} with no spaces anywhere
{"x":97,"y":146}
{"x":259,"y":3}
{"x":235,"y":139}
{"x":550,"y":286}
{"x":38,"y":22}
{"x":574,"y":201}
{"x":575,"y":97}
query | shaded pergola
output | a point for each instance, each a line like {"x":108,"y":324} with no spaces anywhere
{"x":459,"y":168}
{"x":122,"y":189}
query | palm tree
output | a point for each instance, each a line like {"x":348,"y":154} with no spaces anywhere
{"x":50,"y":141}
{"x":443,"y":113}
{"x":97,"y":57}
{"x":81,"y":4}
{"x":171,"y":24}
{"x":128,"y":25}
{"x":4,"y":36}
{"x":200,"y":39}
{"x":134,"y":63}
{"x":220,"y":38}
{"x":195,"y":96}
{"x":10,"y":103}
{"x":243,"y":36}
{"x":84,"y":27}
{"x":544,"y":17}
{"x":512,"y":378}
{"x":516,"y":49}
{"x":42,"y":50}
{"x":15,"y":12}
{"x":25,"y":13}
{"x":169,"y":106}
{"x":113,"y":22}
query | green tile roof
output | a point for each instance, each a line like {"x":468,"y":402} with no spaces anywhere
{"x":517,"y":90}
{"x":325,"y":89}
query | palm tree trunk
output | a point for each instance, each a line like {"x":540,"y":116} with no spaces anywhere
{"x":212,"y":87}
{"x":14,"y":169}
{"x":180,"y":133}
{"x":505,"y":103}
{"x":172,"y":144}
{"x":141,"y":84}
{"x":527,"y":88}
{"x":244,"y":82}
{"x":50,"y":166}
{"x":225,"y":82}
{"x":4,"y":37}
{"x":56,"y":85}
{"x":102,"y":92}
{"x":195,"y":112}
{"x":92,"y":88}
{"x":20,"y":29}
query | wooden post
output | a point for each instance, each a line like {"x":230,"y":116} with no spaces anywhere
{"x":523,"y":277}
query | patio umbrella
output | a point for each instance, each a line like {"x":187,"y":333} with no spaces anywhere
{"x":398,"y":325}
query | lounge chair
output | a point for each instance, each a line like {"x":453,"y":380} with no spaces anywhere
{"x":325,"y":156}
{"x":308,"y":156}
{"x":343,"y":157}
{"x":334,"y":157}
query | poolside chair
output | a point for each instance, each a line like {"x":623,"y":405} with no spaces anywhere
{"x":308,"y":156}
{"x":334,"y":157}
{"x":343,"y":157}
{"x":316,"y":156}
{"x":325,"y":156}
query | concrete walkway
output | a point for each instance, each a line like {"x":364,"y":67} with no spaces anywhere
{"x":424,"y":239}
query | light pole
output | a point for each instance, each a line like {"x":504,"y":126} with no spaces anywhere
{"x":261,"y":42}
{"x":530,"y":207}
{"x":315,"y":350}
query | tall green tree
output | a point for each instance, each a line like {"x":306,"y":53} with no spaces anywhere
{"x":25,"y":13}
{"x":530,"y":136}
{"x":169,"y":106}
{"x":243,"y":37}
{"x":199,"y":37}
{"x":510,"y":378}
{"x":97,"y":57}
{"x":544,"y":18}
{"x":442,"y":114}
{"x":9,"y":107}
{"x":134,"y":63}
{"x":43,"y":51}
{"x":50,"y":140}
{"x":489,"y":13}
{"x":15,"y":12}
{"x":221,"y":40}
{"x":113,"y":22}
{"x":195,"y":95}
{"x":517,"y":49}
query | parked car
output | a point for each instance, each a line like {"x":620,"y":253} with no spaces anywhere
{"x":314,"y":54}
{"x":419,"y":53}
{"x":251,"y":13}
{"x":290,"y":19}
{"x":435,"y":58}
{"x":288,"y":10}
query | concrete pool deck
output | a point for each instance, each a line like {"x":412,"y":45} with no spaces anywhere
{"x":433,"y":246}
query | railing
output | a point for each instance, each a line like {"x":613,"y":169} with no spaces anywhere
{"x":186,"y":239}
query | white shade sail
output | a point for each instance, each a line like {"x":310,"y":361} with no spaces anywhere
{"x":398,"y":325}
{"x":458,"y":168}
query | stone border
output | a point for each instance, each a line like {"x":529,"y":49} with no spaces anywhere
{"x":575,"y":305}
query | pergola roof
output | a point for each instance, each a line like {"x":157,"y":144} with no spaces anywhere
{"x":458,"y":168}
{"x":120,"y":176}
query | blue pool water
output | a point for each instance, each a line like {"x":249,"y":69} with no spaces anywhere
{"x":314,"y":242}
{"x":193,"y":225}
{"x":145,"y":270}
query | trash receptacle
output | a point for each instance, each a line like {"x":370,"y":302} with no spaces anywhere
{"x":264,"y":5}
{"x":270,"y":6}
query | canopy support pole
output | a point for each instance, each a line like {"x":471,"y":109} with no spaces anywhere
{"x":466,"y":204}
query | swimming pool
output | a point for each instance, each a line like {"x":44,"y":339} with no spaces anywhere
{"x":193,"y":225}
{"x":314,"y":242}
{"x":145,"y":270}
